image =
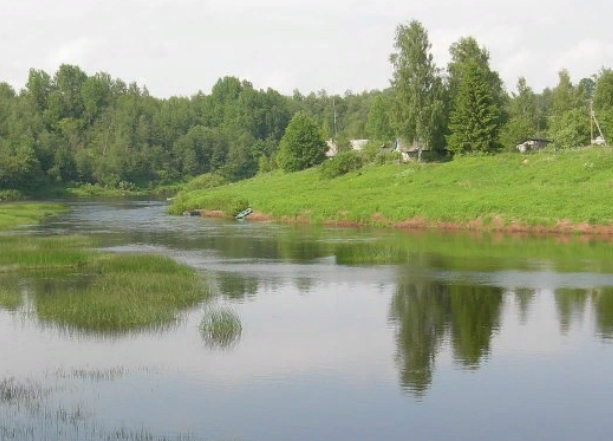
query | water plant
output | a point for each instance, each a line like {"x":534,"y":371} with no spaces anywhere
{"x":221,"y":328}
{"x":26,"y":213}
{"x":121,"y":293}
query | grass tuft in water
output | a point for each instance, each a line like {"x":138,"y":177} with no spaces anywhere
{"x":221,"y":328}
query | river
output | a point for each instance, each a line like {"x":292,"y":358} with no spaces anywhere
{"x":469,"y":338}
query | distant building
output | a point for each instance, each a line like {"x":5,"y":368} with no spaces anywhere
{"x":355,"y":144}
{"x":599,"y":140}
{"x":332,"y":148}
{"x":358,"y":144}
{"x":533,"y":144}
{"x":410,"y":152}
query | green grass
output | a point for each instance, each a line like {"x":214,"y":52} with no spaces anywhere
{"x":76,"y":287}
{"x":13,"y":215}
{"x":221,"y":328}
{"x":535,"y":190}
{"x":123,"y":293}
{"x":43,"y":253}
{"x":10,"y":293}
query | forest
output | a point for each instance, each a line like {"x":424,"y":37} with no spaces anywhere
{"x":73,"y":128}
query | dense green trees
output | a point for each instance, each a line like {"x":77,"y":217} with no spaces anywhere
{"x":72,"y":127}
{"x":302,"y":146}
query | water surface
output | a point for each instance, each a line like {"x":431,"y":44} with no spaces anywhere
{"x":346,"y":335}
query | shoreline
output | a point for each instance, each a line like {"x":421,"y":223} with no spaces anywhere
{"x":562,"y":227}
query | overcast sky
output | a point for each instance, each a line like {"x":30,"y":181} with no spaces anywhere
{"x":177,"y":47}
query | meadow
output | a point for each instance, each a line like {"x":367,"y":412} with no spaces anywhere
{"x":569,"y":190}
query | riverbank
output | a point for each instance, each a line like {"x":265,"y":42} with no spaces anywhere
{"x":551,"y":192}
{"x":89,"y":191}
{"x":14,"y":215}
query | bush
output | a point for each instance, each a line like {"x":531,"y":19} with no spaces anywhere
{"x":302,"y":145}
{"x":388,"y":157}
{"x":266,"y":164}
{"x":371,"y":150}
{"x":571,"y":129}
{"x":203,"y":182}
{"x":10,"y":195}
{"x":340,"y":165}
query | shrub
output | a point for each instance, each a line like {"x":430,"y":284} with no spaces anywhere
{"x":371,"y":150}
{"x":302,"y":146}
{"x":340,"y":165}
{"x":388,"y":157}
{"x":266,"y":164}
{"x":10,"y":195}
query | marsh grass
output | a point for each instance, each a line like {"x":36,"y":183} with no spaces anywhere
{"x":221,"y":328}
{"x":14,"y":392}
{"x":536,"y":190}
{"x":30,"y":252}
{"x":78,"y":288}
{"x":10,"y":293}
{"x":122,"y":293}
{"x":20,"y":214}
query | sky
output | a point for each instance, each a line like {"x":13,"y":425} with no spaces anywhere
{"x":177,"y":47}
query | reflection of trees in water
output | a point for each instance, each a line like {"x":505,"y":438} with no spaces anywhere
{"x":420,"y":312}
{"x":603,"y":305}
{"x":237,"y":286}
{"x":524,"y":298}
{"x":475,"y":315}
{"x":304,"y":284}
{"x":429,"y":312}
{"x":570,"y":304}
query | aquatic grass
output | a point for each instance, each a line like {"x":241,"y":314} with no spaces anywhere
{"x":535,"y":190}
{"x":124,"y":293}
{"x":30,"y":252}
{"x":221,"y":328}
{"x":20,"y":214}
{"x":15,"y":392}
{"x":10,"y":293}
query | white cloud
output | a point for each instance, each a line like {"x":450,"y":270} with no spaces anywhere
{"x":185,"y":45}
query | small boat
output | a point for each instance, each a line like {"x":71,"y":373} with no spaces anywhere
{"x":243,"y":214}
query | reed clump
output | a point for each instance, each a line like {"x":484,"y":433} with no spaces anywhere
{"x":221,"y":328}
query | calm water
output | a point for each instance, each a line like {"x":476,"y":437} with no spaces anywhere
{"x":470,"y":338}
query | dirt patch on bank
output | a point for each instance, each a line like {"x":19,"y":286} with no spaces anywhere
{"x":563,"y":227}
{"x":214,"y":214}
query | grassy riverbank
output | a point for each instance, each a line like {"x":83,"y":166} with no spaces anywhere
{"x":556,"y":191}
{"x":14,"y":215}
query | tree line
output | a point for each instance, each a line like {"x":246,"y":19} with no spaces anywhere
{"x":464,"y":108}
{"x":73,"y":128}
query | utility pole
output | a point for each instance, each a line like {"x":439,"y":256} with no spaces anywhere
{"x":591,"y":121}
{"x":334,"y":109}
{"x":594,"y":120}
